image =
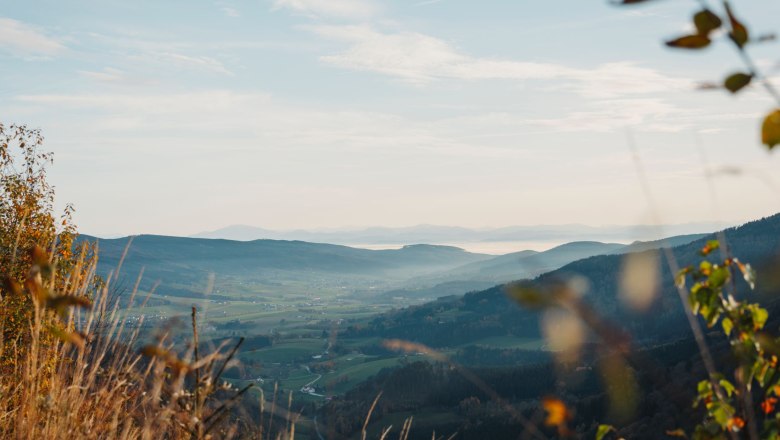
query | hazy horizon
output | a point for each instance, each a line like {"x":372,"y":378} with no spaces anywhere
{"x":510,"y":238}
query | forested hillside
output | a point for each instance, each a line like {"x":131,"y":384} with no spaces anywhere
{"x":457,"y":320}
{"x":462,"y":393}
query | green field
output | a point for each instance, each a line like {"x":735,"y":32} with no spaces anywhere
{"x":300,"y":326}
{"x":510,"y":342}
{"x":289,"y":351}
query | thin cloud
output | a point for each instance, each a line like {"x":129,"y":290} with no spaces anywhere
{"x":196,"y":62}
{"x":109,"y":74}
{"x":22,"y":39}
{"x":345,"y":9}
{"x":231,"y":12}
{"x":641,"y":114}
{"x":116,"y":77}
{"x":260,"y":120}
{"x":420,"y":59}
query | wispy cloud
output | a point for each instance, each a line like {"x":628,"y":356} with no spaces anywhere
{"x":419,"y":59}
{"x":608,"y":115}
{"x":259,"y":120}
{"x":109,"y":74}
{"x":117,"y":77}
{"x":428,"y":2}
{"x":230,"y":12}
{"x":345,"y":9}
{"x":22,"y":39}
{"x":190,"y":62}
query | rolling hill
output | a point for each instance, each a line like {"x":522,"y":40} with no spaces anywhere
{"x":436,"y":234}
{"x":185,"y":263}
{"x":456,"y":320}
{"x":484,"y":274}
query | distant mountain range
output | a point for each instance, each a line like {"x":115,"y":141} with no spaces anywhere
{"x":183,"y":265}
{"x":433,"y":234}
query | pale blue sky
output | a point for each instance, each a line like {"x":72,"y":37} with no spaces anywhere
{"x":181,"y":116}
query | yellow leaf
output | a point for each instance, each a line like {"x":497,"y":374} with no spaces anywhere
{"x":770,"y":129}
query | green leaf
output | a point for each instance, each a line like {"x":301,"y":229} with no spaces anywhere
{"x":761,"y":372}
{"x":690,"y":42}
{"x":739,"y":33}
{"x":706,"y":21}
{"x":770,"y":129}
{"x":722,"y":412}
{"x":728,"y":325}
{"x":727,"y":386}
{"x":736,"y":81}
{"x":604,"y":430}
{"x":711,"y":315}
{"x":718,"y":277}
{"x":703,"y":386}
{"x":759,"y":317}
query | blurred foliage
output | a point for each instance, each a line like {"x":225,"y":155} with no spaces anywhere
{"x":708,"y":25}
{"x":730,"y":403}
{"x":27,"y":220}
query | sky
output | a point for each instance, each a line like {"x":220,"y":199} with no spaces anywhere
{"x":182,"y":116}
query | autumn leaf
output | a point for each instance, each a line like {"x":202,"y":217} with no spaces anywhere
{"x":735,"y":424}
{"x":12,"y":287}
{"x":676,"y":433}
{"x":706,"y":21}
{"x":739,"y":33}
{"x":557,"y":413}
{"x":770,"y":129}
{"x":170,"y":359}
{"x":60,"y":304}
{"x":711,"y":245}
{"x":71,"y":337}
{"x":695,"y":41}
{"x":735,"y":82}
{"x":768,"y":405}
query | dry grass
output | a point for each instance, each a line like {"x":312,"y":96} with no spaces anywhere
{"x":79,"y":372}
{"x":81,"y":375}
